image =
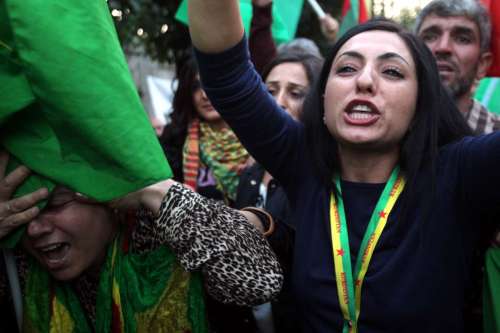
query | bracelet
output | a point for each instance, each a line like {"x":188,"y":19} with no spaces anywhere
{"x":265,"y":218}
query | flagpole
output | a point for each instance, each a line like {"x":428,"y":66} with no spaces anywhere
{"x":317,"y":9}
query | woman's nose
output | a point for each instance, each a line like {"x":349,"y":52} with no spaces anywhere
{"x":282,"y":100}
{"x":204,"y":94}
{"x":365,"y":82}
{"x":39,"y":226}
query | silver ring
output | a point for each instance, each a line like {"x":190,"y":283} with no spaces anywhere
{"x":9,"y":208}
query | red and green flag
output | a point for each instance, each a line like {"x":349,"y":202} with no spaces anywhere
{"x":353,"y":13}
{"x":69,"y":109}
{"x":286,"y":15}
{"x":494,"y":10}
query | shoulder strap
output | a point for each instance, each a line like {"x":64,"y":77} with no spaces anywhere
{"x":15,"y":288}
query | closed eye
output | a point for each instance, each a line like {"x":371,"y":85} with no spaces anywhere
{"x":298,"y":94}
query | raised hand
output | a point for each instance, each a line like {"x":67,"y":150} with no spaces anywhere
{"x":329,"y":27}
{"x":149,"y":197}
{"x":19,"y":211}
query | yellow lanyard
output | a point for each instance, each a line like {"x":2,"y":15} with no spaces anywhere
{"x":349,"y":290}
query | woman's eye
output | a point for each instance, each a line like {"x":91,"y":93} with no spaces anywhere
{"x":196,"y":85}
{"x":394,"y":72}
{"x":345,"y":69}
{"x":298,"y":94}
{"x":271,"y":91}
{"x":59,"y":201}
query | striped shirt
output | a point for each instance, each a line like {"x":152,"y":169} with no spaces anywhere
{"x":481,"y":121}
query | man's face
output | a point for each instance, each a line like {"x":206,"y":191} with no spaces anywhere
{"x":455,"y":43}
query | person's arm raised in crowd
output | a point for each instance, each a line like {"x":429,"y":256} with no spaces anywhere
{"x":329,"y":27}
{"x":237,"y":92}
{"x":260,"y":41}
{"x":215,"y":25}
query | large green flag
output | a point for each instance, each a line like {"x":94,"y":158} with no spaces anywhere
{"x":69,"y":109}
{"x":286,"y":15}
{"x":488,"y":93}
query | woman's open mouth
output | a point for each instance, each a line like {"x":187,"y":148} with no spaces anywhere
{"x":54,"y":255}
{"x":361,"y":114}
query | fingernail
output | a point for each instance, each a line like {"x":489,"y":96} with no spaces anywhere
{"x":44,"y":192}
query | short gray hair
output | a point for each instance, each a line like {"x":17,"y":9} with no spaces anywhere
{"x":301,"y":44}
{"x":471,"y":9}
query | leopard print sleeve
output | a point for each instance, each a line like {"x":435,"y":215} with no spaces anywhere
{"x":238,"y":264}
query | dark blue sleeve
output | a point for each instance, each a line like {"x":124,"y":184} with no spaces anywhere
{"x":237,"y":92}
{"x":479,"y":175}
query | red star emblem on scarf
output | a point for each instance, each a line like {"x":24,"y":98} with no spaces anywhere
{"x":382,"y":214}
{"x":340,"y":252}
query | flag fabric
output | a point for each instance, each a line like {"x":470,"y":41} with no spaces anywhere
{"x":488,"y":93}
{"x":353,"y":13}
{"x":491,"y":291}
{"x":69,"y":109}
{"x":286,"y":15}
{"x":494,"y":10}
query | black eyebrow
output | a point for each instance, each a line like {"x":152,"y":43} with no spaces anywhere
{"x":433,"y":28}
{"x":391,"y":55}
{"x":385,"y":56}
{"x":292,"y":84}
{"x":463,"y":30}
{"x":353,"y":54}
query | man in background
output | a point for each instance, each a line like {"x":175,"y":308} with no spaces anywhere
{"x":458,"y":32}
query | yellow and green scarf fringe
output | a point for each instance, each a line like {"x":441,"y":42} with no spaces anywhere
{"x":137,"y":293}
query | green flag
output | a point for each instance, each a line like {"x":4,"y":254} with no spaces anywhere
{"x":491,"y":291}
{"x":69,"y":109}
{"x":286,"y":15}
{"x":488,"y":93}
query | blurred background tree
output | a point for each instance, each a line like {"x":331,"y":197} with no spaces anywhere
{"x":148,"y":27}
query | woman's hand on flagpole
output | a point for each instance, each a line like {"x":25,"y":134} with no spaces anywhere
{"x":329,"y":27}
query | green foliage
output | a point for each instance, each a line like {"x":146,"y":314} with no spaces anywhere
{"x":161,"y":37}
{"x":407,"y":17}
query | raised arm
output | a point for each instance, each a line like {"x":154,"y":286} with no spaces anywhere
{"x":260,"y":41}
{"x":215,"y":25}
{"x":237,"y":92}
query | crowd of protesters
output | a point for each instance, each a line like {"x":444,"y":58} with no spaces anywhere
{"x":350,"y":193}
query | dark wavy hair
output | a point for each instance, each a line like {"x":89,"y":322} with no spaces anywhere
{"x":183,"y":111}
{"x":436,"y":122}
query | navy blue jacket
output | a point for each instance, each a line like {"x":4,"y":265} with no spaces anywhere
{"x":416,"y":278}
